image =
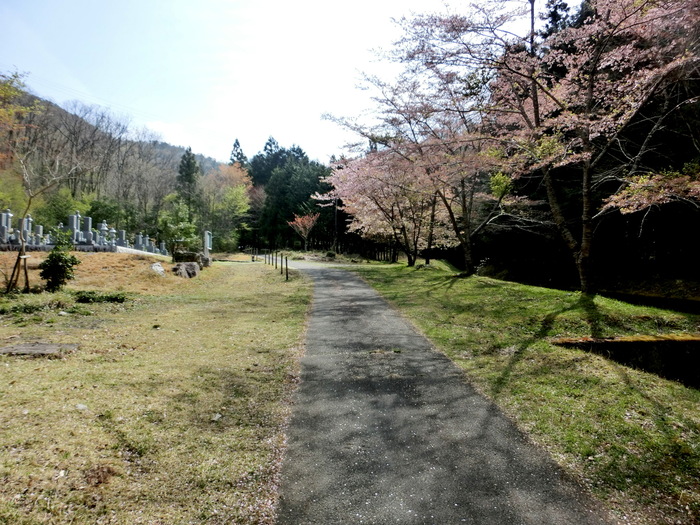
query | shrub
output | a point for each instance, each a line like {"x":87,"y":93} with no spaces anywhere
{"x":89,"y":296}
{"x":57,"y":268}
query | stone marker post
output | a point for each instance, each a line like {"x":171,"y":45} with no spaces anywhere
{"x":74,"y":226}
{"x":88,"y":235}
{"x":5,"y":226}
{"x":38,"y":235}
{"x":27,"y":229}
{"x":207,"y":243}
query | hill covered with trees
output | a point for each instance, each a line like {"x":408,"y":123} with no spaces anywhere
{"x":58,"y":160}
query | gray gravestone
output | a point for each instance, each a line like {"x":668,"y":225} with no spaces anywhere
{"x":87,"y":230}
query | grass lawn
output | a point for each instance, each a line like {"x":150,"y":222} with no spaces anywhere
{"x":630,"y":437}
{"x":172,"y":408}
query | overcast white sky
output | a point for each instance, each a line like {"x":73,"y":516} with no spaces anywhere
{"x":203,"y":73}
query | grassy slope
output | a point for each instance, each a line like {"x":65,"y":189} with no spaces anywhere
{"x":632,"y":438}
{"x":172,"y":410}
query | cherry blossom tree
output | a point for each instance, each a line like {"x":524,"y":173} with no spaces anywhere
{"x":469,"y":189}
{"x":433,"y":129}
{"x":303,"y":224}
{"x":388,"y":196}
{"x":645,"y":191}
{"x":584,"y":111}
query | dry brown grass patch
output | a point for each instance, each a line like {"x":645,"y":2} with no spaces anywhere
{"x":99,"y":270}
{"x":171,"y":410}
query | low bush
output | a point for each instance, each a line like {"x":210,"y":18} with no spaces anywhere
{"x":90,"y":296}
{"x":57,"y":268}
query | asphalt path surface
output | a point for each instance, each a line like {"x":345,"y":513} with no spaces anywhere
{"x":387,"y":430}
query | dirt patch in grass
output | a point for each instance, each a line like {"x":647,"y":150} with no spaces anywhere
{"x":231,"y":257}
{"x":631,"y":437}
{"x":171,"y":410}
{"x":37,"y":348}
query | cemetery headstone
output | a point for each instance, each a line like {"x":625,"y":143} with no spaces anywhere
{"x":87,"y":230}
{"x":38,"y":235}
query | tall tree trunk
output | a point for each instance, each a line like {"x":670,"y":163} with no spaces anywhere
{"x":462,"y":236}
{"x":468,"y":258}
{"x":21,"y":261}
{"x":583,"y":259}
{"x":580,"y":250}
{"x":431,"y":228}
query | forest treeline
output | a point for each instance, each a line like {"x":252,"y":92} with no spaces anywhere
{"x":56,"y":160}
{"x":566,"y":156}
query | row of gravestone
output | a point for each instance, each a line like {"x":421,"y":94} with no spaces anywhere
{"x":81,"y":233}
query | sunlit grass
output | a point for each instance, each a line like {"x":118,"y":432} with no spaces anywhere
{"x":172,"y":410}
{"x":631,"y":437}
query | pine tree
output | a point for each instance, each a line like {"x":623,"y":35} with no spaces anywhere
{"x":237,"y":155}
{"x":187,"y":179}
{"x":556,"y":16}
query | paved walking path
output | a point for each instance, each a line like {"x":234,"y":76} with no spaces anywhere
{"x":386,"y":430}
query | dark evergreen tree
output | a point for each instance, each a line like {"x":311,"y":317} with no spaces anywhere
{"x":187,"y":178}
{"x":556,"y":16}
{"x":289,"y":192}
{"x":237,"y":155}
{"x":272,"y":157}
{"x":271,"y":147}
{"x":585,"y":11}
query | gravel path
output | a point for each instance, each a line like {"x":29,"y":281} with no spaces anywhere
{"x":386,"y":430}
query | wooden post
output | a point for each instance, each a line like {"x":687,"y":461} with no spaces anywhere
{"x":286,"y":264}
{"x":26,"y":274}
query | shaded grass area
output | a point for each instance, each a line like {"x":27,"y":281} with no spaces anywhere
{"x":632,"y":438}
{"x":172,"y":410}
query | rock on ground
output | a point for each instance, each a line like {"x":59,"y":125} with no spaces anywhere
{"x":186,"y":269}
